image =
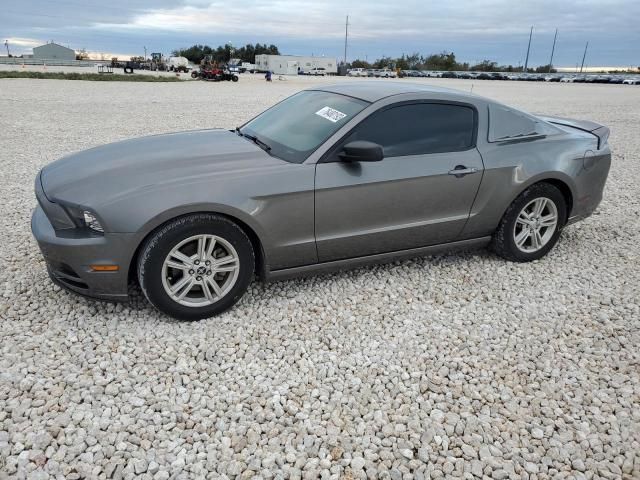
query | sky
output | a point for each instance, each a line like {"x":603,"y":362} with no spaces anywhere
{"x":473,"y":29}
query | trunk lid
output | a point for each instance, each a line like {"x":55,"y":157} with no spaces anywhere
{"x":600,"y":131}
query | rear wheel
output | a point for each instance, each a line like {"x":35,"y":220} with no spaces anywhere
{"x":196,"y":266}
{"x":531,"y":225}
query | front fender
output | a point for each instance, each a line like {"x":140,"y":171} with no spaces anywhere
{"x":277,"y":205}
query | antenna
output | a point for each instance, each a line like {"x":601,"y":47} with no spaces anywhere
{"x":584,"y":56}
{"x":526,"y":62}
{"x":553,"y":50}
{"x":346,"y":36}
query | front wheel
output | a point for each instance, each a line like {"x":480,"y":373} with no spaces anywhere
{"x":234,"y":78}
{"x":531,"y":225}
{"x":196,"y":266}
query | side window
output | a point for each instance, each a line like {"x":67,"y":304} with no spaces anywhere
{"x":508,"y":124}
{"x":418,"y":129}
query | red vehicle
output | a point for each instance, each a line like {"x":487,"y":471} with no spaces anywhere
{"x":209,"y":70}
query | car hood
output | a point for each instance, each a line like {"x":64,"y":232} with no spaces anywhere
{"x":97,"y":175}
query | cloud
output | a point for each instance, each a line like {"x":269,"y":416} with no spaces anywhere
{"x":474,"y":29}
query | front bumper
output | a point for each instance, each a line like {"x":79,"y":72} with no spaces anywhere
{"x":68,"y":255}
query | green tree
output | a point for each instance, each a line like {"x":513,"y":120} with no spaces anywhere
{"x":223,"y":53}
{"x":360,"y":64}
{"x":442,"y":61}
{"x":485,"y":66}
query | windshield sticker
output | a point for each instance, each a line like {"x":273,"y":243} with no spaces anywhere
{"x":331,"y":114}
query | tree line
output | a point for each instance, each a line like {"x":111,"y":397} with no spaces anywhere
{"x":224,"y":53}
{"x":444,"y":61}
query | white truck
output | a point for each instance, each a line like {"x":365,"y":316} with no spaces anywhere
{"x":248,"y":67}
{"x":357,"y":72}
{"x":178,"y":64}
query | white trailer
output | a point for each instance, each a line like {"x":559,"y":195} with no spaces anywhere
{"x":176,"y":64}
{"x":294,"y":64}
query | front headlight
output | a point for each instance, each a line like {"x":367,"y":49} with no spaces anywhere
{"x":91,"y":221}
{"x":84,"y":218}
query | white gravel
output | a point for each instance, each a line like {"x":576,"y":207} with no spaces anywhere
{"x":449,"y":366}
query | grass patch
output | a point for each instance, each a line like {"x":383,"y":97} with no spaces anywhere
{"x":99,"y":77}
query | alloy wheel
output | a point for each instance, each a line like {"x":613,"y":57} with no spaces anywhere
{"x":535,"y":225}
{"x":200,"y":270}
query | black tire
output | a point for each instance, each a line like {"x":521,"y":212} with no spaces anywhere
{"x":503,"y":242}
{"x":234,"y":78}
{"x":159,"y":244}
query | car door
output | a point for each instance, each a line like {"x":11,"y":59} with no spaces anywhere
{"x":420,"y":193}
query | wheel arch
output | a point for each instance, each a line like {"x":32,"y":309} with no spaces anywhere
{"x":566,"y":193}
{"x":559,"y":180}
{"x":256,"y":241}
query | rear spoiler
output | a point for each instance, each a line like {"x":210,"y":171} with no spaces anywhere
{"x":594,"y":128}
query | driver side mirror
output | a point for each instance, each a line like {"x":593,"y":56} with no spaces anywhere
{"x":361,"y":151}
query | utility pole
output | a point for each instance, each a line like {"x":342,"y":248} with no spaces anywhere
{"x":553,"y":50}
{"x":526,"y":62}
{"x":6,"y":44}
{"x":346,"y":36}
{"x":584,"y":56}
{"x":145,"y":53}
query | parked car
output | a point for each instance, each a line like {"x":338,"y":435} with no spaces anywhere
{"x":387,"y":73}
{"x":602,"y":79}
{"x":357,"y":72}
{"x":316,"y":71}
{"x":632,"y":81}
{"x":332,"y":177}
{"x":568,"y":79}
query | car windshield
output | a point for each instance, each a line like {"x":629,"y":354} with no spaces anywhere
{"x":294,"y":128}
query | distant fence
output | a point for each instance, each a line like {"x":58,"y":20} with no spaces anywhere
{"x":53,"y":62}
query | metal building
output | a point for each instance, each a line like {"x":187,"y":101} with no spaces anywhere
{"x":293,"y":64}
{"x":53,"y":51}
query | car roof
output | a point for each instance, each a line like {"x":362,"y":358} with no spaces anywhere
{"x":373,"y":91}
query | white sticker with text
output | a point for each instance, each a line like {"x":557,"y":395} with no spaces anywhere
{"x":331,"y":114}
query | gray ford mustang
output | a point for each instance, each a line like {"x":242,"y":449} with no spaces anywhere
{"x":330,"y":177}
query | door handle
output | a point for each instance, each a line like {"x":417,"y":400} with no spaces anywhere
{"x":460,"y":171}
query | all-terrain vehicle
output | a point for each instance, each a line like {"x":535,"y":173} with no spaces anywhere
{"x":210,"y":70}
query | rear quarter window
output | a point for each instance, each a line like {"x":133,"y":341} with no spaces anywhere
{"x":509,"y":124}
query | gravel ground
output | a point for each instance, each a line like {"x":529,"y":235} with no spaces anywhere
{"x":447,"y":366}
{"x":88,"y":69}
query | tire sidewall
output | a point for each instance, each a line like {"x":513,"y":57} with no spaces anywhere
{"x":508,"y":224}
{"x":155,"y":251}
